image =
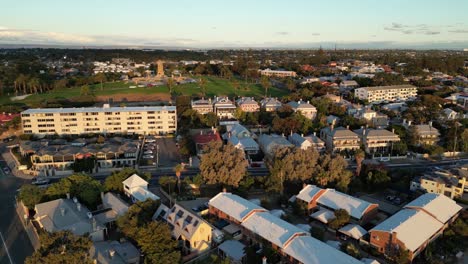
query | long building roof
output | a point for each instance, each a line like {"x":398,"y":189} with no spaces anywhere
{"x":389,"y":87}
{"x":99,"y":109}
{"x":438,"y":205}
{"x":233,"y":205}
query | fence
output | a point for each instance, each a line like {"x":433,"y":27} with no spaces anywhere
{"x":22,"y":212}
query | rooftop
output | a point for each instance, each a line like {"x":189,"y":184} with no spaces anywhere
{"x":390,"y":87}
{"x":233,"y":205}
{"x":439,"y":206}
{"x":99,"y":109}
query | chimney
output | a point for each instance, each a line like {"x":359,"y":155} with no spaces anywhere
{"x":62,"y":211}
{"x":78,"y":206}
{"x":224,"y":190}
{"x":315,"y":133}
{"x":68,"y":195}
{"x":264,"y":260}
{"x":111,"y":253}
{"x":393,"y":130}
{"x":409,"y":123}
{"x":93,"y":220}
{"x":347,"y":127}
{"x":430,"y":123}
{"x":102,"y":196}
{"x":75,"y":200}
{"x":308,"y":102}
{"x":302,"y":135}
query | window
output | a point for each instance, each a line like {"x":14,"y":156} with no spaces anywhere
{"x":180,"y":213}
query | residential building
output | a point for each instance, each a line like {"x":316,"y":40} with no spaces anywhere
{"x":414,"y":227}
{"x":377,"y":140}
{"x":192,"y":232}
{"x":248,"y":104}
{"x":137,"y":189}
{"x":277,"y":73}
{"x":270,"y":143}
{"x":349,"y":84}
{"x":71,"y":215}
{"x":56,"y":157}
{"x":114,"y":252}
{"x":260,"y":226}
{"x":158,"y":120}
{"x":241,"y":138}
{"x":202,"y":106}
{"x":305,"y":108}
{"x":232,"y":250}
{"x":112,"y":208}
{"x":339,"y":139}
{"x":386,"y":93}
{"x":449,"y":114}
{"x":449,"y":183}
{"x":203,"y":138}
{"x":224,"y":108}
{"x":323,"y":200}
{"x":270,"y":104}
{"x":305,"y":142}
{"x":426,"y":134}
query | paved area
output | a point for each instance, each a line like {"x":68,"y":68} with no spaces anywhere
{"x":168,"y":153}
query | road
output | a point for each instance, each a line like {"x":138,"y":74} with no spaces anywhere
{"x":16,"y":240}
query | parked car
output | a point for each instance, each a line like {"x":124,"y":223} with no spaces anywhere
{"x":150,"y":140}
{"x":148,"y":156}
{"x":148,"y":152}
{"x":39,"y":181}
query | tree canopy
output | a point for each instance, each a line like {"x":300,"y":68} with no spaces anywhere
{"x":114,"y":181}
{"x":30,"y":195}
{"x":223,"y":164}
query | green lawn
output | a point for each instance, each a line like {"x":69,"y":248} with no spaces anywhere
{"x":214,"y":86}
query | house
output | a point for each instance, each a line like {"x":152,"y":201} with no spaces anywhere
{"x":315,"y":198}
{"x":426,"y":134}
{"x":339,"y":139}
{"x":241,"y":138}
{"x":202,"y":106}
{"x":365,"y":113}
{"x":192,"y":232}
{"x":270,"y":104}
{"x":332,"y":97}
{"x":449,"y":183}
{"x":377,"y":140}
{"x":305,"y":108}
{"x":349,"y":84}
{"x":299,"y":141}
{"x":232,"y":250}
{"x":203,"y":138}
{"x":224,"y":108}
{"x":68,"y":214}
{"x":449,"y":114}
{"x":237,"y":130}
{"x":415,"y":226}
{"x":270,"y":143}
{"x":114,"y":252}
{"x":260,"y":226}
{"x":112,"y":208}
{"x":354,"y":231}
{"x":137,"y":189}
{"x":248,"y":104}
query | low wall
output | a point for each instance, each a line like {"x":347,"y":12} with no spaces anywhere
{"x":28,"y":226}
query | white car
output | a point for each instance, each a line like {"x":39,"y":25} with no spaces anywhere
{"x":148,"y":156}
{"x":39,"y":181}
{"x":148,"y":152}
{"x":151,"y":140}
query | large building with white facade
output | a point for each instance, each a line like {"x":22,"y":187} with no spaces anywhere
{"x":386,"y":93}
{"x":277,"y":73}
{"x":158,"y":120}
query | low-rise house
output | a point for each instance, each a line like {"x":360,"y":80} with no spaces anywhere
{"x":232,"y":250}
{"x":270,"y":104}
{"x":448,"y":183}
{"x":420,"y":222}
{"x":305,"y":108}
{"x":68,"y":214}
{"x":114,"y":252}
{"x":193,"y":232}
{"x":224,"y":108}
{"x":202,"y":106}
{"x":137,"y":189}
{"x":112,"y":208}
{"x":377,"y":140}
{"x":349,"y":84}
{"x":241,"y":138}
{"x":315,"y":198}
{"x":449,"y":114}
{"x":203,"y":138}
{"x":270,"y":143}
{"x":365,"y":113}
{"x":232,"y":207}
{"x":339,"y":139}
{"x":299,"y":141}
{"x":248,"y":104}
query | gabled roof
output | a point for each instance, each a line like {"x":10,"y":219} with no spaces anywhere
{"x":135,"y":181}
{"x":233,"y":205}
{"x":233,"y":249}
{"x":309,"y":250}
{"x":439,"y":206}
{"x":124,"y":252}
{"x":323,"y":215}
{"x":413,"y":227}
{"x":185,"y":223}
{"x":272,"y":228}
{"x":341,"y":132}
{"x":110,"y":200}
{"x":142,"y":194}
{"x":354,"y":231}
{"x":308,"y":193}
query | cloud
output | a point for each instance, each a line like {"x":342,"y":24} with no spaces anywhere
{"x":422,"y":29}
{"x":432,"y":32}
{"x":31,"y":36}
{"x":315,"y":34}
{"x":282,"y":33}
{"x":460,"y":31}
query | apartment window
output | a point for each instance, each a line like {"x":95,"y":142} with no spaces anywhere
{"x":108,"y":113}
{"x":25,"y":115}
{"x":28,"y":131}
{"x":49,"y":114}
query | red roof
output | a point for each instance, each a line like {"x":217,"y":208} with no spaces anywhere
{"x":206,"y":138}
{"x":7,"y":117}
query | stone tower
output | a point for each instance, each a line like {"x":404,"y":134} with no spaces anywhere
{"x":160,"y":68}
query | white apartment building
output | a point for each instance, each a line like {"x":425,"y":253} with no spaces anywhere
{"x":158,"y":120}
{"x":277,"y":73}
{"x":386,"y":93}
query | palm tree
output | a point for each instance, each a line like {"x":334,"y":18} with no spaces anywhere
{"x":170,"y":84}
{"x":265,"y":83}
{"x":203,"y":86}
{"x":100,"y":77}
{"x":178,"y":169}
{"x":359,"y":155}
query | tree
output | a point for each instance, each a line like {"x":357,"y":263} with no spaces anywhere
{"x":168,"y":183}
{"x":156,"y":243}
{"x":332,"y":169}
{"x":178,"y":169}
{"x":61,"y":247}
{"x":210,"y":119}
{"x":84,"y":187}
{"x":101,"y":78}
{"x":138,"y":215}
{"x":223,"y":164}
{"x":170,"y":84}
{"x":402,"y":256}
{"x":113,"y":183}
{"x":84,"y":90}
{"x":203,"y":86}
{"x":464,"y":140}
{"x":359,"y":155}
{"x":265,"y":83}
{"x":291,"y":85}
{"x":30,"y":195}
{"x":341,"y":218}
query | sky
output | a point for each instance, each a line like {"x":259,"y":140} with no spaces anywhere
{"x":421,"y":24}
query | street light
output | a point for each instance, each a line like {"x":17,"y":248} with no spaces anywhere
{"x":157,"y":155}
